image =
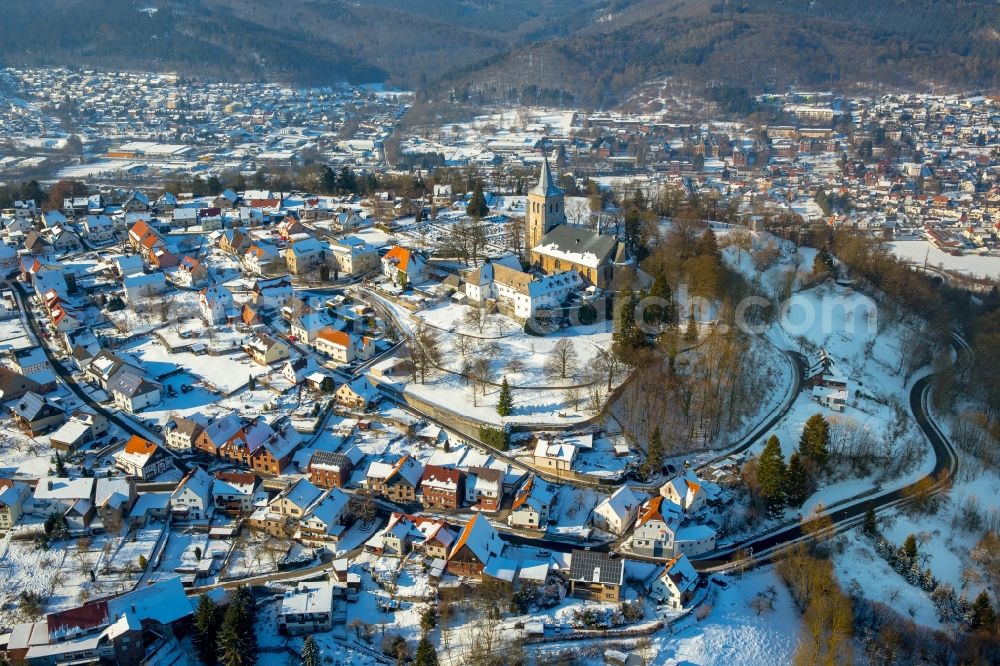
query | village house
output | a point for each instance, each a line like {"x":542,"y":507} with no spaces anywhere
{"x":325,"y":522}
{"x":71,"y":498}
{"x":596,"y":576}
{"x":305,"y":255}
{"x":211,"y":437}
{"x":397,"y":482}
{"x":182,"y":433}
{"x":656,"y":528}
{"x":356,"y":394}
{"x":36,"y":415}
{"x":132,"y":392}
{"x":233,"y":492}
{"x":191,"y":272}
{"x":329,"y":469}
{"x":306,"y":609}
{"x":105,"y":367}
{"x":617,"y":513}
{"x":271,"y":293}
{"x":99,"y":228}
{"x":309,"y":324}
{"x":260,"y":259}
{"x":517,"y":294}
{"x":484,"y":488}
{"x":478,"y":543}
{"x":265,"y":350}
{"x":143,"y":285}
{"x":143,"y":459}
{"x":530,"y":509}
{"x":114,"y":499}
{"x":554,"y":455}
{"x":675,"y":584}
{"x":281,"y":516}
{"x":403,"y":266}
{"x":352,"y":256}
{"x":441,"y":487}
{"x":13,"y":496}
{"x":192,"y":499}
{"x":343,"y":347}
{"x":686,"y":491}
{"x":13,"y":384}
{"x":216,"y":304}
{"x":82,"y":427}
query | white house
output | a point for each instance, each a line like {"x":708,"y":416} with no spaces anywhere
{"x":352,"y":256}
{"x":192,"y":500}
{"x":617,"y":513}
{"x":99,"y":228}
{"x":133,"y":393}
{"x":656,"y":528}
{"x":403,"y":265}
{"x":686,"y":491}
{"x":531,"y":505}
{"x":518,"y":294}
{"x":675,"y":584}
{"x":343,"y":347}
{"x":144,"y":285}
{"x":216,"y":304}
{"x":306,"y":609}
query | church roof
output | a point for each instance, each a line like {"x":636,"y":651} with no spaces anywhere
{"x":578,"y":245}
{"x":546,"y":187}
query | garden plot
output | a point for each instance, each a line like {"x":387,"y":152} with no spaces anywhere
{"x":226,"y":372}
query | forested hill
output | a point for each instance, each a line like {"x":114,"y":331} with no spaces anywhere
{"x":756,"y":44}
{"x":571,"y":51}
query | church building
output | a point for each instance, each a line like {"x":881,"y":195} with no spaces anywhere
{"x":554,"y":246}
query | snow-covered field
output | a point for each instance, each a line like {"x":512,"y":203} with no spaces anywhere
{"x":921,"y":251}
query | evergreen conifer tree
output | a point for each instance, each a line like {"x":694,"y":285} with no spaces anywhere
{"x":771,"y":473}
{"x":310,"y":652}
{"x":796,"y":482}
{"x":505,"y":403}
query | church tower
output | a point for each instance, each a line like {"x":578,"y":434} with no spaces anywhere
{"x":546,"y":208}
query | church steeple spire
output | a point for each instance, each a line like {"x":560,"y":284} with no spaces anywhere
{"x":546,"y":186}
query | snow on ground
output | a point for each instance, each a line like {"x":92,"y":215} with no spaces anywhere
{"x":519,"y":357}
{"x":920,"y":251}
{"x":732,"y":634}
{"x":225,"y":372}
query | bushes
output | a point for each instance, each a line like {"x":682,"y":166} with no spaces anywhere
{"x":498,"y":438}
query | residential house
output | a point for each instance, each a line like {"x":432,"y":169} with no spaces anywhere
{"x":133,"y":393}
{"x":261,"y":258}
{"x":306,"y":609}
{"x":531,"y":505}
{"x":114,"y":499}
{"x":192,"y":499}
{"x":478,"y":543}
{"x":656,"y":528}
{"x":191,"y":272}
{"x":182,"y":433}
{"x":675,"y":584}
{"x":216,"y":304}
{"x":686,"y":491}
{"x":518,"y":294}
{"x":234,"y":241}
{"x":265,"y":350}
{"x":296,"y":370}
{"x":64,"y":240}
{"x":281,"y":516}
{"x":307,"y":325}
{"x":484,"y":488}
{"x":13,"y":497}
{"x":554,"y":455}
{"x":329,"y":469}
{"x":83,"y":426}
{"x":397,"y":537}
{"x":211,"y":438}
{"x":441,"y":487}
{"x":596,"y":576}
{"x":403,"y":266}
{"x":13,"y":385}
{"x":397,"y":481}
{"x":34,"y":364}
{"x":143,"y":459}
{"x":272,"y":293}
{"x":352,"y":256}
{"x":62,"y":495}
{"x":325,"y":522}
{"x":35,"y":415}
{"x":143,"y":285}
{"x":344,"y":347}
{"x":105,"y":367}
{"x":233,"y":492}
{"x":99,"y":228}
{"x":438,"y":537}
{"x":617,"y":513}
{"x":306,"y":255}
{"x":356,"y":394}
